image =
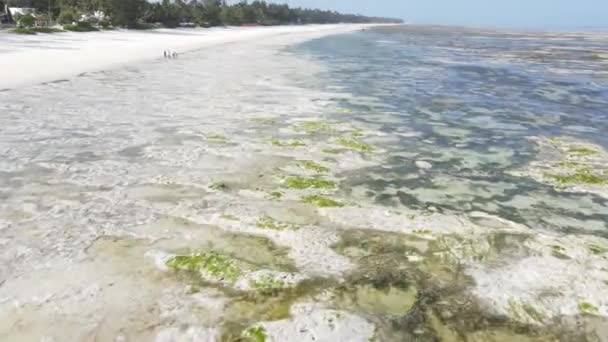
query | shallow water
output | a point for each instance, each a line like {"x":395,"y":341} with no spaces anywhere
{"x":289,"y":166}
{"x":466,"y":101}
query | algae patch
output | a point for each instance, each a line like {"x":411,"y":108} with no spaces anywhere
{"x":578,"y":177}
{"x":301,"y":183}
{"x":597,"y":249}
{"x":211,"y":264}
{"x":354,"y":145}
{"x":254,"y":334}
{"x":587,"y":308}
{"x":581,"y":151}
{"x":331,"y":151}
{"x":229,"y":217}
{"x":275,"y":195}
{"x":266,"y":283}
{"x":314,"y":127}
{"x":322,"y":202}
{"x":217,"y":137}
{"x":286,"y":143}
{"x":219,"y":186}
{"x":312,"y":166}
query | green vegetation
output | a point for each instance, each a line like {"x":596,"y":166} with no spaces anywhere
{"x":322,"y":202}
{"x":569,"y":165}
{"x":587,"y":308}
{"x":559,"y":252}
{"x":68,"y":15}
{"x":266,"y":282}
{"x":331,"y":151}
{"x":597,"y":249}
{"x":204,"y":13}
{"x":26,"y":21}
{"x":216,"y":137}
{"x":581,"y":151}
{"x":275,"y":195}
{"x":357,"y":134}
{"x":255,"y":334}
{"x":556,"y":140}
{"x":289,"y":143}
{"x":81,"y":26}
{"x":208,"y":263}
{"x":230,"y":217}
{"x":312,"y":166}
{"x":355,"y":145}
{"x":301,"y":183}
{"x":314,"y":127}
{"x":267,"y":222}
{"x":582,"y":176}
{"x":219,"y":186}
{"x":22,"y":30}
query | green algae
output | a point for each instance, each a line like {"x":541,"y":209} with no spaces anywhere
{"x":219,"y":186}
{"x":357,"y":134}
{"x":569,"y":165}
{"x":217,"y":137}
{"x":275,"y":195}
{"x":579,"y":177}
{"x":331,"y":151}
{"x":441,"y":310}
{"x":266,"y":283}
{"x":597,"y":249}
{"x":264,"y":121}
{"x":581,"y":151}
{"x":229,"y":217}
{"x":314,"y":127}
{"x":287,"y":143}
{"x":422,"y":232}
{"x":248,"y":308}
{"x":312,"y":166}
{"x":322,"y":202}
{"x":267,"y":222}
{"x":588,"y":308}
{"x":354,"y":145}
{"x":208,"y":263}
{"x":559,"y":252}
{"x":255,"y":334}
{"x":301,"y":183}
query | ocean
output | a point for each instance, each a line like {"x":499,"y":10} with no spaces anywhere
{"x":468,"y":101}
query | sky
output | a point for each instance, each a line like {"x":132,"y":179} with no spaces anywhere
{"x":549,"y":14}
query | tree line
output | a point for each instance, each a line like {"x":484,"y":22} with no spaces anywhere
{"x":206,"y":13}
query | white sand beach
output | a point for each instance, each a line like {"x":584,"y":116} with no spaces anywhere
{"x":47,"y":57}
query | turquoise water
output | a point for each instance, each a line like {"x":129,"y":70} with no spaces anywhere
{"x":468,"y":101}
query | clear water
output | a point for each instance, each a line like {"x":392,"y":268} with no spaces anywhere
{"x":467,"y":101}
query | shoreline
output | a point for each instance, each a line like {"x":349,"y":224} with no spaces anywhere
{"x":50,"y":57}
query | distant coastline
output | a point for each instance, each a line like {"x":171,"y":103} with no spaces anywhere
{"x":60,"y":56}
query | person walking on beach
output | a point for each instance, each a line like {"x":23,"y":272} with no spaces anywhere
{"x":165,"y":53}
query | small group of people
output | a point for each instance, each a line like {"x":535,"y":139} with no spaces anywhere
{"x":170,"y":54}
